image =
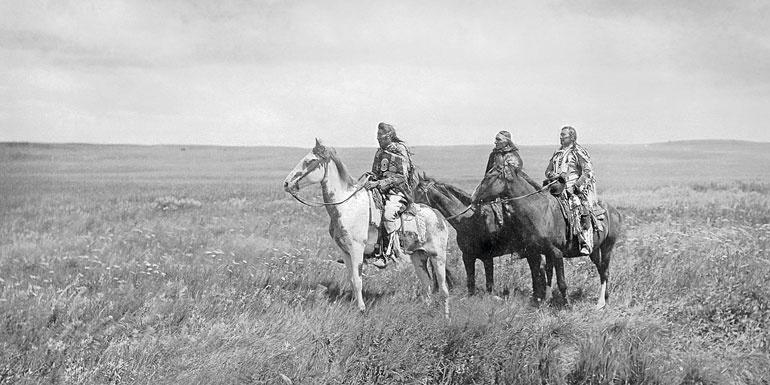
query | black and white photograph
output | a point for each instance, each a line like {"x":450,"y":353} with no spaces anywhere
{"x":384,"y":192}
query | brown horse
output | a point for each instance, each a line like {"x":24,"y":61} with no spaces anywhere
{"x":543,"y":229}
{"x":482,"y":232}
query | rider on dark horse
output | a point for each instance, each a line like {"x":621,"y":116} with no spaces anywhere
{"x":573,"y":163}
{"x":391,"y":175}
{"x":506,"y":155}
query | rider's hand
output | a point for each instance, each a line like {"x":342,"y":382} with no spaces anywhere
{"x":370,"y":184}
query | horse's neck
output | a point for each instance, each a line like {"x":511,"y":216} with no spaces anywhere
{"x":520,"y":187}
{"x":451,"y":205}
{"x":336,"y":189}
{"x":333,"y":186}
{"x":534,"y":204}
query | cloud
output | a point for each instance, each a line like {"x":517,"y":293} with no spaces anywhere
{"x":723,"y":42}
{"x":269,"y":72}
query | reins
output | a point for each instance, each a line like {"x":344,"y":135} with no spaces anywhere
{"x":521,"y":197}
{"x":324,"y":204}
{"x":498,"y":200}
{"x":503,"y":200}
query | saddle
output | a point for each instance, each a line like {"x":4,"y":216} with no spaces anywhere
{"x":598,"y":217}
{"x":378,"y":203}
{"x":573,"y":217}
{"x":412,"y":232}
{"x":492,"y":214}
{"x":412,"y":229}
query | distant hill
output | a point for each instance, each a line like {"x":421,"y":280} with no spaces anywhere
{"x":617,"y":166}
{"x":711,"y":142}
{"x":688,"y":143}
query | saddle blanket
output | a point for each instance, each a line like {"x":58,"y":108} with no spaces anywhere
{"x":413,"y":229}
{"x":572,"y":217}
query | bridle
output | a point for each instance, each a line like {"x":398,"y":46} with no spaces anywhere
{"x":503,"y":200}
{"x":324,"y":161}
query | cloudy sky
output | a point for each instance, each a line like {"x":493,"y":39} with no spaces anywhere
{"x":443,"y":72}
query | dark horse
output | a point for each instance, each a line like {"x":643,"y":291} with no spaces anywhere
{"x":542,"y":228}
{"x":482,"y":233}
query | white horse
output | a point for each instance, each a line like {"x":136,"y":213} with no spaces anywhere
{"x":355,"y":221}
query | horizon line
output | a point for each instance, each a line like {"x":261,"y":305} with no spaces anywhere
{"x":22,"y":143}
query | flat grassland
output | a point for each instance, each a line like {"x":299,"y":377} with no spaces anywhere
{"x":172,"y":264}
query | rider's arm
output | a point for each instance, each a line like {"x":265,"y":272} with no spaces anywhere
{"x":376,"y":163}
{"x":396,"y":174}
{"x":391,"y":179}
{"x":587,"y":169}
{"x":549,"y":173}
{"x":490,"y":162}
{"x":515,"y":160}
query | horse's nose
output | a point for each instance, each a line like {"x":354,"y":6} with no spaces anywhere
{"x":286,"y":185}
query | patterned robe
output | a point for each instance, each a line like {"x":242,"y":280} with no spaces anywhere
{"x":508,"y":156}
{"x":391,"y":167}
{"x":575,"y":162}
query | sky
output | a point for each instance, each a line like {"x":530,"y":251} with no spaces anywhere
{"x":446,"y":72}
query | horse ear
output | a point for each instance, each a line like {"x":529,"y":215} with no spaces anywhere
{"x":318,"y":143}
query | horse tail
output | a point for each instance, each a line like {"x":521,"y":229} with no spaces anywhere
{"x":616,"y":218}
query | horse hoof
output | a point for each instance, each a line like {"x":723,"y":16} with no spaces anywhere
{"x":600,"y":305}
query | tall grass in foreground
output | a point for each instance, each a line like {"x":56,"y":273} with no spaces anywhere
{"x":193,"y":280}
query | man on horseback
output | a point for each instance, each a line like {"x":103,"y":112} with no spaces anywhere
{"x":505,"y":152}
{"x":573,"y":163}
{"x":506,"y":155}
{"x":391,"y":174}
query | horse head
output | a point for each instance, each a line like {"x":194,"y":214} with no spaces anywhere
{"x":493,"y":185}
{"x":311,"y":169}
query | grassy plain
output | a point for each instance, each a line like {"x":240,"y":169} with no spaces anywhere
{"x":172,"y":264}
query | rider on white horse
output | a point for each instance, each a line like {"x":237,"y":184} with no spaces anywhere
{"x":391,"y":169}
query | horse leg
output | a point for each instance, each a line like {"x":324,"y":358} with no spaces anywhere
{"x":354,"y":264}
{"x":439,"y":273}
{"x":489,"y":273}
{"x":558,"y":263}
{"x":420,"y":262}
{"x":470,"y":272}
{"x":548,"y":277}
{"x":601,"y":258}
{"x":538,"y":278}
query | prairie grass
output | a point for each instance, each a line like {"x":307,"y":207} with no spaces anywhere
{"x":127,"y":264}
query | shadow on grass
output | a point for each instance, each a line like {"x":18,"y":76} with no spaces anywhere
{"x":336,"y":292}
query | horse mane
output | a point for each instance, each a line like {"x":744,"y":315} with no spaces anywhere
{"x":341,"y":168}
{"x":463,"y":196}
{"x":526,"y":177}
